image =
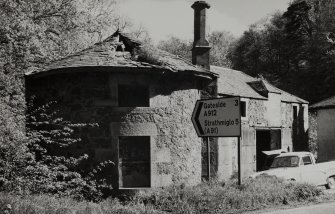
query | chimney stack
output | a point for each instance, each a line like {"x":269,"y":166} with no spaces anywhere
{"x":201,"y":48}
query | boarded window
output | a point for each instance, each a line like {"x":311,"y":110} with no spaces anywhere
{"x":243,"y":109}
{"x":134,"y":161}
{"x":133,"y":96}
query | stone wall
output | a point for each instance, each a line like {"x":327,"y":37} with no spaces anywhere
{"x":258,"y":118}
{"x":175,"y":149}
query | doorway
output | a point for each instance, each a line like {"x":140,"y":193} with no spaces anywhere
{"x":134,"y":161}
{"x":266,"y":140}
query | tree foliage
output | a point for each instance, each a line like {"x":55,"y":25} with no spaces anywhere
{"x":177,"y":46}
{"x":220,"y":42}
{"x":33,"y":33}
{"x":294,"y":50}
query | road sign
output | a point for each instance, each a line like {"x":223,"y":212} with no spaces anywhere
{"x":219,"y":117}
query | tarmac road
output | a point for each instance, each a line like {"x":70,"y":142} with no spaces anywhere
{"x":324,"y":208}
{"x":327,"y":207}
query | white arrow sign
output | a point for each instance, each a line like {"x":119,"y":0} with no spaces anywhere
{"x":217,"y":117}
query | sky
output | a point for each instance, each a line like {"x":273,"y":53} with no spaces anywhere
{"x":164,"y":18}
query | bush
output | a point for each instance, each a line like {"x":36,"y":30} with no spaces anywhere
{"x":30,"y":167}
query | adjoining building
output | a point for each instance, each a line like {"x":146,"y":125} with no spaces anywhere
{"x":272,"y":119}
{"x":325,"y":111}
{"x":143,"y":102}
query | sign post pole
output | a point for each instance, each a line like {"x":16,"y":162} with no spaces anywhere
{"x":218,"y":117}
{"x":239,"y":160}
{"x":208,"y":159}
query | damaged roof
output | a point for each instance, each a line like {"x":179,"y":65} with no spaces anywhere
{"x":324,"y":104}
{"x":237,"y":83}
{"x":121,"y":51}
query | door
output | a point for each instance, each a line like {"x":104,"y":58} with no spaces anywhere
{"x":134,"y":161}
{"x":266,"y":140}
{"x":263,"y":139}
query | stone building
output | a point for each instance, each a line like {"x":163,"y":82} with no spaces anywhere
{"x":272,"y":119}
{"x":325,"y":110}
{"x":143,"y":99}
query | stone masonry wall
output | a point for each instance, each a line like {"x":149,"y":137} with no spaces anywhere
{"x":93,"y":98}
{"x":256,"y":119}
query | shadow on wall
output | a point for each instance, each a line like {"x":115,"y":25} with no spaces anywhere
{"x":299,"y":135}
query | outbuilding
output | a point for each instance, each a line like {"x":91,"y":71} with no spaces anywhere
{"x":325,"y":111}
{"x":272,"y":119}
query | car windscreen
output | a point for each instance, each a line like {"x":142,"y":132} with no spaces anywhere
{"x":287,"y":161}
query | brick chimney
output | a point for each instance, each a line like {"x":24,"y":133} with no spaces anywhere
{"x":201,"y":48}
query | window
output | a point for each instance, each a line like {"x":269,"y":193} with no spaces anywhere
{"x":243,"y":109}
{"x":295,"y":112}
{"x":306,"y":160}
{"x":133,"y":96}
{"x":286,"y":161}
{"x":134,"y":161}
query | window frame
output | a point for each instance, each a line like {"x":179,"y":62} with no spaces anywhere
{"x":295,"y":115}
{"x":303,"y":161}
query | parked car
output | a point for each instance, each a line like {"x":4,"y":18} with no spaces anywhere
{"x":302,"y":167}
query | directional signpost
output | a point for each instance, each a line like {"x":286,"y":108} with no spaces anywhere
{"x":217,"y":117}
{"x":220,"y":117}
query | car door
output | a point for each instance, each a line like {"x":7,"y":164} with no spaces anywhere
{"x":310,"y":173}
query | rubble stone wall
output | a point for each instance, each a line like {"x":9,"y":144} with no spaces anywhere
{"x":175,"y":154}
{"x":257,"y":118}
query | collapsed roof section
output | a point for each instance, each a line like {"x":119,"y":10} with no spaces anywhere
{"x":121,"y":51}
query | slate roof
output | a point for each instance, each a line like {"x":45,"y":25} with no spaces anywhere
{"x":327,"y":103}
{"x":117,"y":51}
{"x":237,"y":83}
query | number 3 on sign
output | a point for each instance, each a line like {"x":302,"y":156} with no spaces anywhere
{"x":236,"y":102}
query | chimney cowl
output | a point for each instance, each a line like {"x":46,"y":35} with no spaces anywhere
{"x":200,"y":5}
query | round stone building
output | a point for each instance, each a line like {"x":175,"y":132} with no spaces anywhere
{"x":142,"y":101}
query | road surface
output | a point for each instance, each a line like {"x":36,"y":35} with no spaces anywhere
{"x":324,"y":208}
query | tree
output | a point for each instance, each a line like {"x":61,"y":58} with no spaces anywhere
{"x":32,"y":33}
{"x":292,"y":50}
{"x":220,"y":42}
{"x":177,"y":46}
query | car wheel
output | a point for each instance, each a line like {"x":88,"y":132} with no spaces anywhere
{"x":330,"y":183}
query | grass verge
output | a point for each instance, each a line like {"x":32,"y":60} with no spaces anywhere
{"x":212,"y":197}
